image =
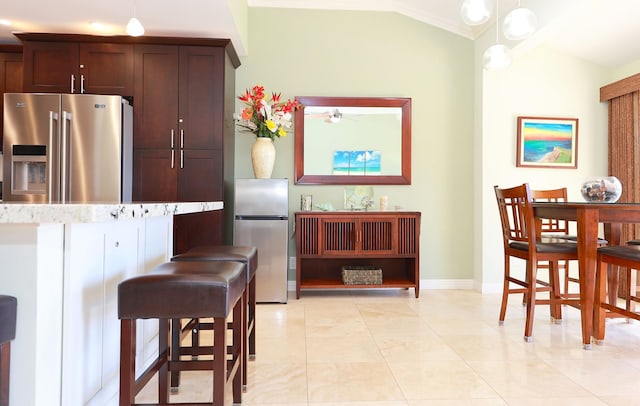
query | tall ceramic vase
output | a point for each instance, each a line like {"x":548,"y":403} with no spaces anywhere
{"x":263,"y":156}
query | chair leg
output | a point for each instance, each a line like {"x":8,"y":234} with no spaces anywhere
{"x":555,"y":294}
{"x":5,"y":360}
{"x":531,"y":298}
{"x":505,"y":290}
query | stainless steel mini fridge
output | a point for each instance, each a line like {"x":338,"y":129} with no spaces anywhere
{"x":261,"y":220}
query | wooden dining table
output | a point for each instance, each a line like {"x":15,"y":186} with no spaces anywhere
{"x":588,"y":217}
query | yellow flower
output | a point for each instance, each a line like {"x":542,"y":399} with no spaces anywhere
{"x":271,"y":125}
{"x":282,"y":132}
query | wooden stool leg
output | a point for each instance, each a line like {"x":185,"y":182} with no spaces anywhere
{"x":219,"y":359}
{"x":176,"y":334}
{"x":5,"y":366}
{"x":163,"y":354}
{"x":244,"y":344}
{"x":239,"y":356}
{"x":252,"y":318}
{"x":127,"y":362}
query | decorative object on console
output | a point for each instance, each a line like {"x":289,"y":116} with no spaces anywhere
{"x":546,"y":142}
{"x":384,"y":203}
{"x":266,"y":119}
{"x":358,"y":197}
{"x":306,"y":202}
{"x":607,"y":189}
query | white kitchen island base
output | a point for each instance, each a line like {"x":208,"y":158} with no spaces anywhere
{"x":65,"y":272}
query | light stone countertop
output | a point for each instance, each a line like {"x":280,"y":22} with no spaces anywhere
{"x":30,"y":213}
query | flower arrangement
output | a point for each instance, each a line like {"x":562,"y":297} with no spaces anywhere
{"x":264,"y":117}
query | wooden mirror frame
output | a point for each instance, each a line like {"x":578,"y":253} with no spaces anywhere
{"x":403,"y":179}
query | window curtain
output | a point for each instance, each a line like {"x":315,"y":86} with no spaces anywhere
{"x":624,"y":150}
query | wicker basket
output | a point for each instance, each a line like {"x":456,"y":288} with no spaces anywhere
{"x":361,"y":275}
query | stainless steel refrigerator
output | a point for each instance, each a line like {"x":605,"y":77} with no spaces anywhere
{"x":261,"y":208}
{"x":67,"y":148}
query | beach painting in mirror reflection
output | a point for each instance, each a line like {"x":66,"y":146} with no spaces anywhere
{"x":350,"y":163}
{"x":547,"y":142}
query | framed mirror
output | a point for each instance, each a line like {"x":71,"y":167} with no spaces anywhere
{"x":352,"y":141}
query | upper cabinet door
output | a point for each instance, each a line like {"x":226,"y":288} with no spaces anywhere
{"x":201,"y":97}
{"x":69,"y":67}
{"x":155,"y":98}
{"x":10,"y":79}
{"x":50,"y":67}
{"x":106,"y":68}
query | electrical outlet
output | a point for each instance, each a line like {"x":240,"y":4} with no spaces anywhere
{"x":292,"y":262}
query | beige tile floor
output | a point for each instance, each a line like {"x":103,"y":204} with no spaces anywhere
{"x":387,"y":348}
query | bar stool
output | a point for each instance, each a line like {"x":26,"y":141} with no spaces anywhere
{"x":243,"y":254}
{"x":8,"y":310}
{"x":177,"y":290}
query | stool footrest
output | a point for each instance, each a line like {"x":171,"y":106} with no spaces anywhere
{"x":148,"y":373}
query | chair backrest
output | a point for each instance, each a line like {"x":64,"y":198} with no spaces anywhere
{"x":554,"y":226}
{"x":516,"y":214}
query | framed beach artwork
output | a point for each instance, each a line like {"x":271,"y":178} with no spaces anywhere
{"x":545,"y":142}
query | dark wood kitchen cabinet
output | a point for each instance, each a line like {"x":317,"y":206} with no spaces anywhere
{"x":66,"y":63}
{"x":10,"y":75}
{"x":183,"y":144}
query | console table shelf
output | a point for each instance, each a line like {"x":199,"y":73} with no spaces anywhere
{"x":328,"y":241}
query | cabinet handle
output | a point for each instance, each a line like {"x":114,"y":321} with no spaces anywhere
{"x":173,"y":152}
{"x":81,"y":83}
{"x":73,"y":83}
{"x":181,"y":148}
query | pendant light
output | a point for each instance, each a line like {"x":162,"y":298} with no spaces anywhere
{"x":134,"y":26}
{"x":497,"y":56}
{"x":519,"y":23}
{"x":475,"y":12}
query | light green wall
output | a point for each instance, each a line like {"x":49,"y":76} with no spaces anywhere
{"x":361,"y":53}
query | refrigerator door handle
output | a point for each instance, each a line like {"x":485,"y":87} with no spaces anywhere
{"x":53,"y":121}
{"x":66,"y":137}
{"x":173,"y":152}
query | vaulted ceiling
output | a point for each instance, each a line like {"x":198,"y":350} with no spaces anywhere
{"x":604,"y":32}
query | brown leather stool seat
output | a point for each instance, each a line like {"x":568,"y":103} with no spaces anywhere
{"x":183,"y":290}
{"x":8,"y":311}
{"x":244,"y":254}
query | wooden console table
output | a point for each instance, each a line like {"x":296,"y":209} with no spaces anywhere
{"x":327,"y":241}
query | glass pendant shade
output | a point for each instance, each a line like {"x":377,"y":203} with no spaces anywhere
{"x":496,"y":57}
{"x":134,"y":27}
{"x":519,"y":24}
{"x":475,"y":12}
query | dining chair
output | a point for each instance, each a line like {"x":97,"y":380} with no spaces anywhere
{"x":558,"y":228}
{"x":606,"y":304}
{"x":520,"y":240}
